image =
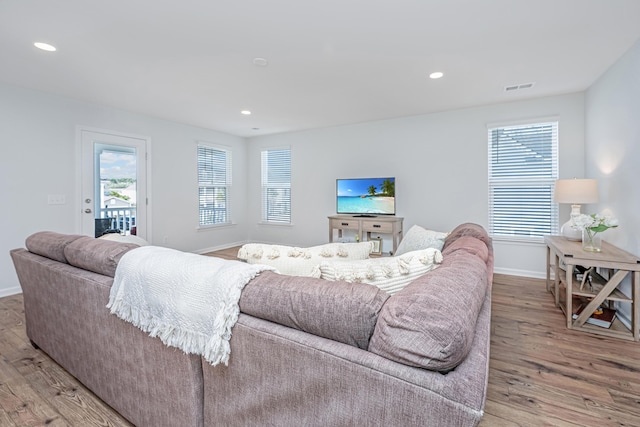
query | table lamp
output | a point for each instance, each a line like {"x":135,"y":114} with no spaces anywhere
{"x":574,"y":191}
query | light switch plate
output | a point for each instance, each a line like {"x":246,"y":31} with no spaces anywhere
{"x":56,"y":199}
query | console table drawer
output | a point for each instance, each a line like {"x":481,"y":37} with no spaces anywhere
{"x":365,"y":226}
{"x":378,"y":227}
{"x":345,"y":224}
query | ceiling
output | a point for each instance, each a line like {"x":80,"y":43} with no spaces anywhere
{"x":330,"y":62}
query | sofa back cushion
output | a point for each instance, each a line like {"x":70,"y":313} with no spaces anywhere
{"x":340,"y":311}
{"x":50,"y":244}
{"x":470,"y":229}
{"x":97,"y":255}
{"x":431,"y":323}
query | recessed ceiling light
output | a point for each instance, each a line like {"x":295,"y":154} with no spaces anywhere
{"x":45,"y":46}
{"x":260,"y":62}
{"x":436,"y":75}
{"x":245,"y":112}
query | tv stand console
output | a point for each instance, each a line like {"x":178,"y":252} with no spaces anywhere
{"x":364,"y":226}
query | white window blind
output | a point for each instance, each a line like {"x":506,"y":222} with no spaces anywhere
{"x":276,"y":186}
{"x":523,"y":167}
{"x":214,"y":181}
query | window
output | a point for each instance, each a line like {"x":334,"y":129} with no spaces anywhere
{"x":523,"y":167}
{"x":214,"y":181}
{"x":276,"y":186}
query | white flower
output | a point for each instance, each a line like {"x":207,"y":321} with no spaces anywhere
{"x":610,"y":221}
{"x":582,"y":221}
{"x":594,"y":222}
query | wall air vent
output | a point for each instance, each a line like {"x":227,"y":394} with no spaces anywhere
{"x":518,"y":87}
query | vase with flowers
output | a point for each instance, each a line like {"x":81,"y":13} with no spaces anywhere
{"x":591,"y":226}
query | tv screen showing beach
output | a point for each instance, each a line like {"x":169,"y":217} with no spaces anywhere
{"x":374,"y":196}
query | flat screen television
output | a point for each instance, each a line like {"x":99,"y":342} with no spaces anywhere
{"x":366,"y":196}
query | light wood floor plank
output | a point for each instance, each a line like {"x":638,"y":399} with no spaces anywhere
{"x":540,"y":374}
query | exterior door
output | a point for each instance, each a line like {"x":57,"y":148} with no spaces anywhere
{"x":113,"y":183}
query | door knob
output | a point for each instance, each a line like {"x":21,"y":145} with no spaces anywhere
{"x":87,"y":200}
{"x":87,"y":211}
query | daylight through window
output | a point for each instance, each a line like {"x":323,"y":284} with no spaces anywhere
{"x":523,"y":167}
{"x":276,"y":186}
{"x":214,"y":182}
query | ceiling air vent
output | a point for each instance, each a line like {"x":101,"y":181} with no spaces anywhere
{"x":518,"y":87}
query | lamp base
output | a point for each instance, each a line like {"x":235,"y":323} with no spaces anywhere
{"x":569,"y":232}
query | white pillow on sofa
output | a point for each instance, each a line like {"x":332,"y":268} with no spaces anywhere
{"x":390,"y":274}
{"x":294,"y":261}
{"x":421,"y":238}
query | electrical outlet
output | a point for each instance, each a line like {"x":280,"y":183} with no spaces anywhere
{"x":56,"y":199}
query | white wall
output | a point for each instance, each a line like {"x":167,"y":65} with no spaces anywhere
{"x":439,"y":161}
{"x":38,"y":140}
{"x":612,"y":111}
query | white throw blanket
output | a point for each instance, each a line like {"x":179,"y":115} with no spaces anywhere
{"x":189,"y":301}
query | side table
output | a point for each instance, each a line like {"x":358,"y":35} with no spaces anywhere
{"x":618,"y":264}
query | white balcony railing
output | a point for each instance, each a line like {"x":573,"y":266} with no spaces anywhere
{"x":122,"y":219}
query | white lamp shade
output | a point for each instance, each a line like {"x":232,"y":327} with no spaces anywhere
{"x":576,"y":191}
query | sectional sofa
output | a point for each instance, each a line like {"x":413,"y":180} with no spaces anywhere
{"x":304,"y":351}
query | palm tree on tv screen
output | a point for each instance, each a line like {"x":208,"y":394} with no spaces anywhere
{"x":388,"y":188}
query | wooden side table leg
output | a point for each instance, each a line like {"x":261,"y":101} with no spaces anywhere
{"x":635,"y":310}
{"x":568,"y":302}
{"x":548,"y":268}
{"x":556,"y":279}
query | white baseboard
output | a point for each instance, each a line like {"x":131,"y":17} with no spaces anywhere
{"x":219,"y":248}
{"x":10,"y":291}
{"x":522,"y":273}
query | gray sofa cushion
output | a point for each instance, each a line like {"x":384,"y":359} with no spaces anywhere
{"x":431,"y":323}
{"x":467,"y":245}
{"x":341,"y":311}
{"x":50,"y":244}
{"x":468,"y":229}
{"x":97,"y":255}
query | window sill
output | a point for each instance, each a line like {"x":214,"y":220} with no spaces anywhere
{"x":215,"y":226}
{"x":515,"y":240}
{"x":275,"y":224}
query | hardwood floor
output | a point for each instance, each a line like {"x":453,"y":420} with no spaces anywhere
{"x":544,"y":374}
{"x":34,"y":390}
{"x":540,"y":374}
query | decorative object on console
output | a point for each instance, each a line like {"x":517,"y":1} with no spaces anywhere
{"x":294,"y":261}
{"x":420,"y":238}
{"x":590,"y":227}
{"x":377,"y":245}
{"x":576,"y":192}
